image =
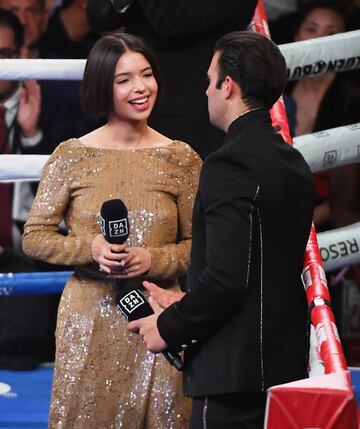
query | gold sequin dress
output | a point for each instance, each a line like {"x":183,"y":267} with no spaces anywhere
{"x":104,"y":377}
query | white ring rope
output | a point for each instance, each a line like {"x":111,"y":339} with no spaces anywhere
{"x":21,"y":168}
{"x":337,"y":53}
{"x":330,"y":148}
{"x":322,"y":150}
{"x":340,"y":247}
{"x":20,"y":69}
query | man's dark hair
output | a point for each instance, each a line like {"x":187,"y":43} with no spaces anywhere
{"x":255,"y":63}
{"x":97,"y":84}
{"x":10,"y":20}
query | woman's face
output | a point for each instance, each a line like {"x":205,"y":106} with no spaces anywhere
{"x":318,"y":23}
{"x":135,"y":87}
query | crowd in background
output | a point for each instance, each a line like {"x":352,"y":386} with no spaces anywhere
{"x":36,"y":116}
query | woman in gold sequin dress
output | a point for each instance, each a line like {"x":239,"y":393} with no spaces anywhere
{"x":104,"y":377}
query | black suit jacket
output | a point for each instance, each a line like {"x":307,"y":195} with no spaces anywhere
{"x":182,"y":34}
{"x":243,"y":321}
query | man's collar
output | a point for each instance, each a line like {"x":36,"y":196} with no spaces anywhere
{"x":255,"y":118}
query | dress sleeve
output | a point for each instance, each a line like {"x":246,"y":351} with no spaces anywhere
{"x":172,"y":260}
{"x":42,"y":238}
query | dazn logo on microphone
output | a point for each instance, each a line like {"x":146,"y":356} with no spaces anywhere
{"x":118,"y":228}
{"x":130,"y":302}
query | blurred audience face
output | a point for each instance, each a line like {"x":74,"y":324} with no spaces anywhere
{"x":7,"y":50}
{"x":33,"y":16}
{"x":320,"y":22}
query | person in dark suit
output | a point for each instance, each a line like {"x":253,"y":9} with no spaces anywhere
{"x":182,"y":34}
{"x":243,"y":320}
{"x":60,"y":114}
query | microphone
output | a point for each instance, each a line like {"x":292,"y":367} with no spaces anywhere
{"x":133,"y":305}
{"x":114,"y":225}
{"x":114,"y":222}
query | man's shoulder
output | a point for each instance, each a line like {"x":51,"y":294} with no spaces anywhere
{"x":227,"y":176}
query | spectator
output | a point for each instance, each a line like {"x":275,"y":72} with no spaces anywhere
{"x":61,"y":116}
{"x":19,"y":127}
{"x":34,"y":17}
{"x":69,"y":34}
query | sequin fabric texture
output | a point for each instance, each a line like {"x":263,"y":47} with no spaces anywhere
{"x":104,"y":377}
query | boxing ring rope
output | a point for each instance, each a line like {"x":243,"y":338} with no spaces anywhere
{"x":336,"y":53}
{"x":21,"y":168}
{"x":322,"y":150}
{"x":330,"y":148}
{"x":33,"y":283}
{"x":338,"y":248}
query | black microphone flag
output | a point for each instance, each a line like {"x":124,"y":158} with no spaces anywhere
{"x":114,"y":222}
{"x":133,"y":305}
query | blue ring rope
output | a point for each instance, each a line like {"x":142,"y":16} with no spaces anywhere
{"x":33,"y":283}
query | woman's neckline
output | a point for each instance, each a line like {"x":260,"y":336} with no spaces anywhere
{"x":125,"y":150}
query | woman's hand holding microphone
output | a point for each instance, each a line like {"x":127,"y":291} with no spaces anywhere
{"x":126,"y":262}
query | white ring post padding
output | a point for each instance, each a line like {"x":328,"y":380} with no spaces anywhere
{"x":314,"y":57}
{"x":330,"y":148}
{"x":337,"y":53}
{"x":21,"y":168}
{"x":340,"y":247}
{"x":20,"y":69}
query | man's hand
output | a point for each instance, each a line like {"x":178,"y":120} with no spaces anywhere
{"x":161,"y":296}
{"x":29,"y":108}
{"x":148,"y":330}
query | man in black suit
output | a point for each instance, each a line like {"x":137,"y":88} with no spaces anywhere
{"x":243,"y":321}
{"x":182,"y":34}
